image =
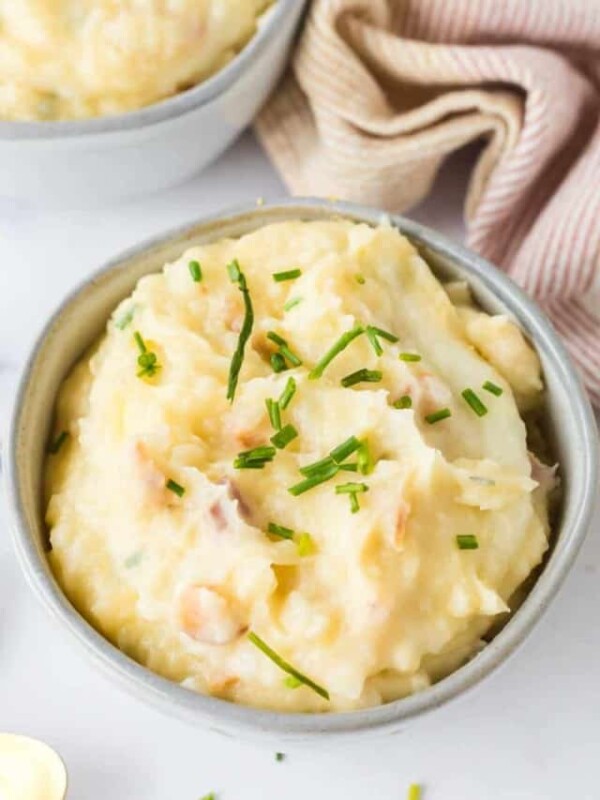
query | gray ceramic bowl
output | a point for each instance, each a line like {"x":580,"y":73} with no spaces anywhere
{"x":70,"y":163}
{"x":80,"y":320}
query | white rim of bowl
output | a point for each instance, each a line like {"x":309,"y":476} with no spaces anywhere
{"x":167,"y":109}
{"x":225,"y":716}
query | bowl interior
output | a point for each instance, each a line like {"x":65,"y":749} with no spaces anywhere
{"x":82,"y":318}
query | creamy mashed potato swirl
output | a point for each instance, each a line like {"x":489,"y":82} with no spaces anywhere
{"x":72,"y":59}
{"x":164,"y":545}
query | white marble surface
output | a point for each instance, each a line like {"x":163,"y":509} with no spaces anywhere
{"x":531,"y":733}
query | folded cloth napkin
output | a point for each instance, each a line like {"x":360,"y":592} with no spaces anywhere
{"x":381,"y":91}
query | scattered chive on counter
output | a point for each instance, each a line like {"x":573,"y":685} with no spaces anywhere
{"x":474,"y":402}
{"x":209,"y":796}
{"x":403,"y":402}
{"x":286,"y":666}
{"x":414,"y":792}
{"x":409,"y":357}
{"x":283,"y":437}
{"x":57,"y":443}
{"x":295,"y":301}
{"x":341,"y":344}
{"x":493,"y":388}
{"x":279,"y":756}
{"x":287,"y":275}
{"x":362,"y":376}
{"x":467,"y":541}
{"x":195,"y":271}
{"x":175,"y":487}
{"x":438,"y":416}
{"x":236,"y":275}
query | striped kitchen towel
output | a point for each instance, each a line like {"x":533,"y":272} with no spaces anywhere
{"x":381,"y":91}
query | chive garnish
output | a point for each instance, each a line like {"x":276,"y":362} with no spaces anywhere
{"x":210,"y":796}
{"x":287,"y":275}
{"x":362,"y":376}
{"x":287,"y":394}
{"x":133,"y":560}
{"x":319,"y":466}
{"x":147,"y":360}
{"x":279,"y":756}
{"x":292,"y":303}
{"x":373,"y":335}
{"x":348,"y":467}
{"x":409,"y":357}
{"x":278,"y":362}
{"x":493,"y":388}
{"x":364,"y":459}
{"x":345,"y":449}
{"x":352,"y":489}
{"x":286,"y":666}
{"x":305,"y":545}
{"x":314,"y":480}
{"x":195,"y":271}
{"x":291,"y":682}
{"x":360,"y":278}
{"x":341,"y":344}
{"x":467,"y":541}
{"x":55,"y":446}
{"x":255,"y":458}
{"x":283,"y":437}
{"x":238,"y":277}
{"x":175,"y":487}
{"x":471,"y":398}
{"x":403,"y":402}
{"x":274,"y":412}
{"x":437,"y":416}
{"x":284,"y":349}
{"x":280,"y":530}
{"x":482,"y":480}
{"x":275,"y":337}
{"x":390,"y":337}
{"x":126,"y":319}
{"x":414,"y":792}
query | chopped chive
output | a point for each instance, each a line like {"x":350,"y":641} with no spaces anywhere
{"x":409,"y":357}
{"x":354,"y":504}
{"x":471,"y":398}
{"x":345,"y":449}
{"x":414,"y":792}
{"x":364,"y":459}
{"x":280,"y":530}
{"x":341,"y":344}
{"x":287,"y":394}
{"x":362,"y":376}
{"x":374,"y":341}
{"x":467,"y":541}
{"x":133,"y":560}
{"x":317,"y":467}
{"x":493,"y":388}
{"x":195,"y":271}
{"x":437,"y":416}
{"x":291,"y":682}
{"x":403,"y":402}
{"x":279,"y":756}
{"x":275,"y":337}
{"x":295,"y":301}
{"x":278,"y":362}
{"x":274,"y":412}
{"x":256,"y":458}
{"x":288,"y":275}
{"x":240,"y":463}
{"x":351,"y":488}
{"x":294,"y":360}
{"x":139,"y":342}
{"x":305,"y":545}
{"x":126,"y":318}
{"x":390,"y":337}
{"x":283,"y":437}
{"x":286,"y":666}
{"x":238,"y":277}
{"x":481,"y":480}
{"x":175,"y":487}
{"x":55,"y":446}
{"x":313,"y":480}
{"x":210,"y":796}
{"x":360,"y":278}
{"x":348,"y":467}
{"x":263,"y":451}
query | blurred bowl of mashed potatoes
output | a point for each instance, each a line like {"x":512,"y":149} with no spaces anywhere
{"x":100,"y":100}
{"x":302,"y":469}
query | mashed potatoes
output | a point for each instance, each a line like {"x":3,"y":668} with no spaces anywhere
{"x":71,"y":59}
{"x":388,"y":562}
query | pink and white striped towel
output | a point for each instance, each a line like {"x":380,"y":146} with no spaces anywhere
{"x":381,"y":91}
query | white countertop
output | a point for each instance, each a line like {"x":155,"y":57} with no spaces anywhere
{"x":532,"y":732}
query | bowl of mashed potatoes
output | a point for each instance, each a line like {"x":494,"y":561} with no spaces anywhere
{"x":101,"y":100}
{"x":299,"y":469}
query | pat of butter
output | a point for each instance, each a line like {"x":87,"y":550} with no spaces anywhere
{"x":30,"y":770}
